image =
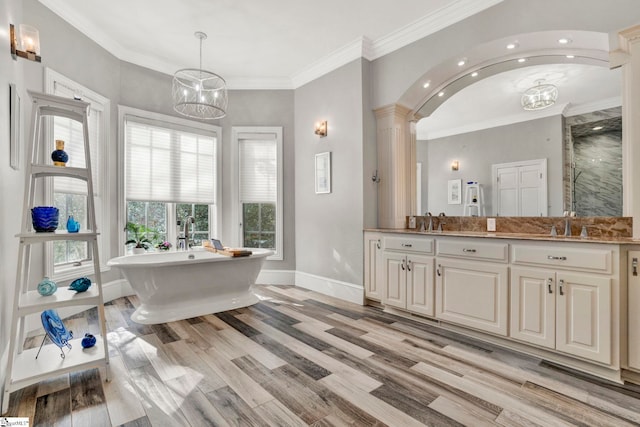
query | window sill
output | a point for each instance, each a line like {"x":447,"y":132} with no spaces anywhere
{"x":71,"y":273}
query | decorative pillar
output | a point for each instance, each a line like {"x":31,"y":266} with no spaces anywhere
{"x":396,"y":145}
{"x":628,"y":57}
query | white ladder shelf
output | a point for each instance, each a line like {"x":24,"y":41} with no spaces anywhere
{"x":23,"y":368}
{"x":474,"y":200}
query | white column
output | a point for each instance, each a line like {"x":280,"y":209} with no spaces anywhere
{"x":628,"y":56}
{"x":396,"y":165}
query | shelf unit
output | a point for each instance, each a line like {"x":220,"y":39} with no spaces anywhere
{"x":23,"y":368}
{"x":474,"y":200}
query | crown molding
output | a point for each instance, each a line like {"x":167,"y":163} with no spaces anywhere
{"x":359,"y":48}
{"x":429,"y":24}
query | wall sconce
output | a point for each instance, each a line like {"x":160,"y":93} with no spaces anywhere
{"x":29,"y":43}
{"x":455,"y":165}
{"x":321,"y":129}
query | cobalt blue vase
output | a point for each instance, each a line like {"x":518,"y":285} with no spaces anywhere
{"x":44,"y":218}
{"x":88,"y":341}
{"x":59,"y":156}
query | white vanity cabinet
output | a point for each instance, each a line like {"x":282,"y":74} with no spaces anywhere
{"x":408,"y":274}
{"x":472,"y":284}
{"x":560,"y":303}
{"x":373,"y":267}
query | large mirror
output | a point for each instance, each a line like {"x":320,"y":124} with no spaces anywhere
{"x":570,"y":150}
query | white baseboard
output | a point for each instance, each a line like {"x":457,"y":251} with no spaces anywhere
{"x":334,"y":288}
{"x":276,"y":277}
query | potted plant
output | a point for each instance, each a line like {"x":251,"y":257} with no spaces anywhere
{"x":140,"y":236}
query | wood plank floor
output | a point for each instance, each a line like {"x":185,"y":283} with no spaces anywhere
{"x":299,"y":358}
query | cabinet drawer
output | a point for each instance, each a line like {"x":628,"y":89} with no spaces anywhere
{"x":474,"y":249}
{"x":409,"y":244}
{"x":558,"y":256}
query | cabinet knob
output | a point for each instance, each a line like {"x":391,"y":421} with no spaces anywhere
{"x":557,"y":258}
{"x":549,"y":282}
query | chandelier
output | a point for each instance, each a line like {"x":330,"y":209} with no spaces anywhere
{"x":198,"y":93}
{"x":540,"y":96}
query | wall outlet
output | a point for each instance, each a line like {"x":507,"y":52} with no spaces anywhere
{"x":491,"y":224}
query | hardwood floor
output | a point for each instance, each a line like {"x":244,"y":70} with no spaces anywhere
{"x":299,"y":358}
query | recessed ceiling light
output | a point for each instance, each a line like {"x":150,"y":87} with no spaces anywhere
{"x":474,"y":74}
{"x":522,"y":60}
{"x":441,"y":94}
{"x":597,"y":128}
{"x":462,"y":62}
{"x":512,"y":45}
{"x":426,"y":85}
{"x":564,"y":40}
{"x":571,"y":56}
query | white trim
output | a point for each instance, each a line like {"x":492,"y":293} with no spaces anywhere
{"x":238,"y":133}
{"x":124,"y":111}
{"x":602,"y":104}
{"x":276,"y":277}
{"x":334,"y":288}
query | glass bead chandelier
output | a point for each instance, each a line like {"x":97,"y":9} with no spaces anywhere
{"x":198,"y":93}
{"x":539,"y":97}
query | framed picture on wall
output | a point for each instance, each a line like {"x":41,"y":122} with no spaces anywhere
{"x":323,"y":173}
{"x":454,"y":191}
{"x":14,"y":127}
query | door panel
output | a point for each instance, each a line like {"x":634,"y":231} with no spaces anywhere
{"x":395,"y":280}
{"x":533,"y":306}
{"x":420,"y":285}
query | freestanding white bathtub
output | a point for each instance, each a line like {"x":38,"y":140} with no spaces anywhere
{"x":180,"y":285}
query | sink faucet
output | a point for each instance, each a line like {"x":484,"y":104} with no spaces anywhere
{"x":430,"y":227}
{"x":186,"y":236}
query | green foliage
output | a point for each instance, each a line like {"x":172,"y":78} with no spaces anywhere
{"x":140,"y":235}
{"x":259,"y":225}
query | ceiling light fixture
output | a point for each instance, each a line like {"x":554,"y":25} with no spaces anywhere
{"x":426,"y":85}
{"x":198,"y":93}
{"x":462,"y":62}
{"x":570,"y":56}
{"x":474,"y":74}
{"x":539,"y":97}
{"x":564,"y":40}
{"x":441,"y":94}
{"x":521,"y":60}
{"x":512,"y":45}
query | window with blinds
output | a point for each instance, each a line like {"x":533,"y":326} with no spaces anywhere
{"x":70,"y":195}
{"x":169,"y":164}
{"x":259,"y":183}
{"x":171,"y":173}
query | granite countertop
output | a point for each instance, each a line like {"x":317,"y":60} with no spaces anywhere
{"x":517,"y":236}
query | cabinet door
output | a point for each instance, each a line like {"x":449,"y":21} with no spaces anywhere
{"x":472,"y":294}
{"x":583,"y":316}
{"x":420,"y":284}
{"x":634,"y":310}
{"x":395,"y":277}
{"x":372,"y":266}
{"x":533,"y":306}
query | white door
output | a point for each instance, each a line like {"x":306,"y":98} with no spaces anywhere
{"x":520,"y":188}
{"x":533,"y":306}
{"x":583,"y":316}
{"x":420,"y":284}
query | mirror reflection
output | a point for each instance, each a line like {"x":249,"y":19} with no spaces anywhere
{"x":565,"y":157}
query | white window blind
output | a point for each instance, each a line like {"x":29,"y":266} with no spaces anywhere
{"x":258,"y":169}
{"x":70,"y":131}
{"x":169,"y":163}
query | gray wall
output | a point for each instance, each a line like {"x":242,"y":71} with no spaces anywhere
{"x":477,"y":151}
{"x":11,"y":181}
{"x":329,"y":226}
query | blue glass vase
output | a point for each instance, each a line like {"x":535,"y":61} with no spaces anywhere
{"x":59,"y":156}
{"x":73,"y":226}
{"x":88,"y":341}
{"x":44,"y":218}
{"x":80,"y":285}
{"x":47,"y":287}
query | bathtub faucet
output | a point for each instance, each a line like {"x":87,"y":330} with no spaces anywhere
{"x":188,"y":241}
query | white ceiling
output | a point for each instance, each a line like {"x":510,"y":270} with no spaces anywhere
{"x":256,"y":43}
